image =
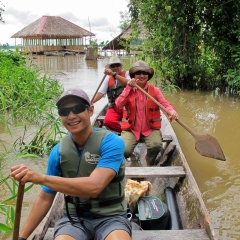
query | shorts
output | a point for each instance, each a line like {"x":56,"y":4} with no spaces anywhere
{"x":92,"y":228}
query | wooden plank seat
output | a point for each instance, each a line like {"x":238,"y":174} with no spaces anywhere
{"x":100,"y":118}
{"x":187,"y":234}
{"x":167,"y":138}
{"x":163,"y":172}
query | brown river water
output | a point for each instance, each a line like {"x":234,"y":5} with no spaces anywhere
{"x":211,"y":113}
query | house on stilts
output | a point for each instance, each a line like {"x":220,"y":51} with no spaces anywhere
{"x":128,"y":42}
{"x":53,"y":33}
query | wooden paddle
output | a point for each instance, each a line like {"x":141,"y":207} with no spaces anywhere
{"x":98,"y":88}
{"x":205,"y":144}
{"x":18,"y":210}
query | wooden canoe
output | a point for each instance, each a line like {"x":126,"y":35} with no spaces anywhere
{"x":171,"y":172}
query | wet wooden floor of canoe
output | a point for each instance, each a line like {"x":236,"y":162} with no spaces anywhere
{"x":163,"y":172}
{"x":187,"y":234}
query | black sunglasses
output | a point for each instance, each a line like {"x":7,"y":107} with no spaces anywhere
{"x":115,"y":65}
{"x":141,"y":73}
{"x":63,"y":112}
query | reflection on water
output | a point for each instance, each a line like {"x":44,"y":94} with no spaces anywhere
{"x":202,"y":112}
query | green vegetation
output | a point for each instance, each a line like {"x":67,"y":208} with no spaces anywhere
{"x":23,"y":93}
{"x":26,"y":99}
{"x":7,"y":206}
{"x":125,"y":20}
{"x":1,"y":10}
{"x":94,"y":42}
{"x":191,"y":44}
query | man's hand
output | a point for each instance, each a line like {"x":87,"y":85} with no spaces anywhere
{"x":108,"y":71}
{"x":24,"y":174}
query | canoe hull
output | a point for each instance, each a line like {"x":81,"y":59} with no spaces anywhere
{"x":194,"y":217}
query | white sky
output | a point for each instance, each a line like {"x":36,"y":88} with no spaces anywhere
{"x":101,"y":17}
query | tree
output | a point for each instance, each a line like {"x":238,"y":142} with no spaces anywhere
{"x":1,"y":10}
{"x":93,"y":42}
{"x":191,"y":43}
{"x":125,"y":20}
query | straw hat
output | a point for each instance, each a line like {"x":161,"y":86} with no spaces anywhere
{"x":113,"y":60}
{"x":141,"y":66}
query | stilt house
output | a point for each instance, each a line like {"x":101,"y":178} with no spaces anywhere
{"x":53,"y":33}
{"x":128,"y":40}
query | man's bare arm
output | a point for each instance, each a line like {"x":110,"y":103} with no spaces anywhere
{"x":90,"y":186}
{"x":39,"y":210}
{"x":97,"y":97}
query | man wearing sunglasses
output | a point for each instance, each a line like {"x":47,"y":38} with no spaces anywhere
{"x":87,"y":166}
{"x":141,"y":116}
{"x":113,"y":88}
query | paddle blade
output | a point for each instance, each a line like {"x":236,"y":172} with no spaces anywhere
{"x":208,"y":146}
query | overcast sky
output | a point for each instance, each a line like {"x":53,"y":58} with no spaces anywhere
{"x":100,"y":17}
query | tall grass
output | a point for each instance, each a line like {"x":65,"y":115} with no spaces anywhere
{"x":26,"y":98}
{"x":7,"y":207}
{"x":24,"y":93}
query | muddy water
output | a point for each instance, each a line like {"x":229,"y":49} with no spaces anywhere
{"x":218,"y":181}
{"x":210,"y":113}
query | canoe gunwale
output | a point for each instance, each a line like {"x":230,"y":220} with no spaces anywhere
{"x":197,"y":211}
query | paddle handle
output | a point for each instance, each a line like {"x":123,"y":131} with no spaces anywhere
{"x":18,"y":210}
{"x":165,"y":110}
{"x":100,"y":84}
{"x":186,"y":127}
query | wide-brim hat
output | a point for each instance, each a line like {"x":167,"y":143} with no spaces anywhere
{"x":141,"y":66}
{"x":74,"y":92}
{"x":113,"y":60}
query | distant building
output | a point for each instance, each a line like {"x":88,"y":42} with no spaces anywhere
{"x":53,"y":33}
{"x":127,"y":41}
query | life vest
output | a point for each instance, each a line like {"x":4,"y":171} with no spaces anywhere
{"x":114,"y":90}
{"x":111,"y":200}
{"x":153,"y":115}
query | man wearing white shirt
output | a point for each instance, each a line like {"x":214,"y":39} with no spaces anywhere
{"x":113,"y":88}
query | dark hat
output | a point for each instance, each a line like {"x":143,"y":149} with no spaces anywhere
{"x":141,"y":66}
{"x":74,"y":92}
{"x":113,"y":60}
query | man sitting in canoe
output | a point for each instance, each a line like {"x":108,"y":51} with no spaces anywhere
{"x":87,"y":165}
{"x":141,"y":116}
{"x":112,"y":87}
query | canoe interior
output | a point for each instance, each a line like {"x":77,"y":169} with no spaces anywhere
{"x":192,"y":210}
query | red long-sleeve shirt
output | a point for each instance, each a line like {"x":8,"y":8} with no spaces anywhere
{"x":141,"y":126}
